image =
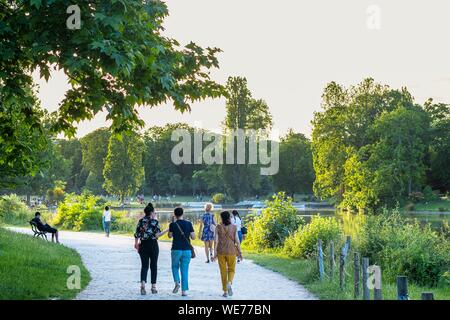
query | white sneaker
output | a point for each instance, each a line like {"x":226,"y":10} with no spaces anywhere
{"x":230,"y":290}
{"x":177,"y":287}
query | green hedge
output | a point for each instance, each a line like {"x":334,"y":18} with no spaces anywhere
{"x":274,"y":225}
{"x":13,"y":210}
{"x":402,"y":247}
{"x":79,"y":212}
{"x":303,"y":243}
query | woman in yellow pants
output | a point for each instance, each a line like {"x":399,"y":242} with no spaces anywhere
{"x":226,"y":248}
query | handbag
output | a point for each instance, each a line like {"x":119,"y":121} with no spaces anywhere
{"x":187,"y":240}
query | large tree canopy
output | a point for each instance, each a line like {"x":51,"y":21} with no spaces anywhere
{"x":244,"y":113}
{"x":118,"y":60}
{"x":369,"y":145}
{"x":123,"y":171}
{"x":296,"y":174}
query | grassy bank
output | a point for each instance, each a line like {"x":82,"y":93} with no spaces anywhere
{"x":35,"y":269}
{"x":305,"y":273}
{"x":438,"y":205}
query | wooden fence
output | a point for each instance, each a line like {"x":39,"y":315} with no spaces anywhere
{"x":362,"y":270}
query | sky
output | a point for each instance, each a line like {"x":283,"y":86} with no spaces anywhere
{"x":290,"y":49}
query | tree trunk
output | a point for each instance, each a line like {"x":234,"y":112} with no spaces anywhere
{"x":28,"y":200}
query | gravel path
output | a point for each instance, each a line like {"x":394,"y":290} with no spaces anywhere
{"x":114,"y":266}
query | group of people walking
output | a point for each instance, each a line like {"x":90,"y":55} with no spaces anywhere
{"x":222,"y":244}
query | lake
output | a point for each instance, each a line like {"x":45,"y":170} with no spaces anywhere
{"x":195,"y":215}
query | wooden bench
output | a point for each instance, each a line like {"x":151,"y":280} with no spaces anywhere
{"x":37,"y":232}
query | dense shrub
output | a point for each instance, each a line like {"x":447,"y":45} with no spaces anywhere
{"x":402,"y":248}
{"x":13,"y":210}
{"x":79,"y":212}
{"x":303,"y":243}
{"x":274,"y":225}
{"x":55,"y":195}
{"x":416,"y":196}
{"x":122,"y":222}
{"x":429,"y":195}
{"x":218,"y":198}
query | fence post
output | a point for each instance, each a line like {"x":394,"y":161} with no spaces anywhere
{"x":402,"y":288}
{"x":356,"y":267}
{"x":346,"y":248}
{"x":377,"y":295}
{"x":341,"y":268}
{"x":366,"y":291}
{"x":320,"y":258}
{"x":331,"y":259}
{"x":427,"y":296}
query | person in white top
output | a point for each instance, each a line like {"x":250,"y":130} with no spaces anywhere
{"x":107,"y":220}
{"x":237,"y":221}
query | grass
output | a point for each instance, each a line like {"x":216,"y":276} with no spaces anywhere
{"x":32,"y":268}
{"x":441,"y":204}
{"x":305,"y":273}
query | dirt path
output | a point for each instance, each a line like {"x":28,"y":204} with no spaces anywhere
{"x":114,"y":266}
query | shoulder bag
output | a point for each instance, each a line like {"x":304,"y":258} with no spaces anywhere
{"x":187,"y":240}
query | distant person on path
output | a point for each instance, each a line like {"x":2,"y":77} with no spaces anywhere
{"x":146,"y":243}
{"x":107,"y":220}
{"x":45,"y":227}
{"x":227,"y":247}
{"x":237,"y":221}
{"x":207,"y":229}
{"x":181,"y":231}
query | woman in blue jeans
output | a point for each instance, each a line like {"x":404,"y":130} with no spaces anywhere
{"x":181,"y":231}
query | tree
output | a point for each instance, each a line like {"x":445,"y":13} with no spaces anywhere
{"x":94,"y":150}
{"x":346,"y":115}
{"x":71,"y":151}
{"x":50,"y":164}
{"x":296,"y":174}
{"x":124,"y":172}
{"x":368,"y":145}
{"x":158,"y":164}
{"x":243,"y":112}
{"x":396,"y":159}
{"x":116,"y":61}
{"x":358,"y":181}
{"x":208,"y":180}
{"x":22,"y":133}
{"x":438,"y":175}
{"x":175,"y":183}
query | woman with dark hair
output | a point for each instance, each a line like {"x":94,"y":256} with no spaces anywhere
{"x":181,"y":231}
{"x":237,"y":221}
{"x":226,"y":248}
{"x":146,"y":243}
{"x":107,"y":220}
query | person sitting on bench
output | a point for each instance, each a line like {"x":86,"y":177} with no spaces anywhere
{"x":45,"y":227}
